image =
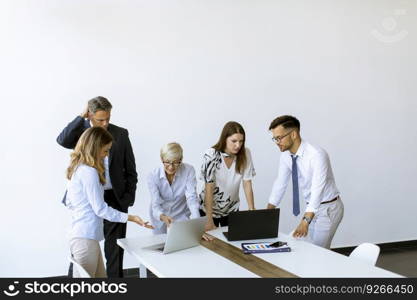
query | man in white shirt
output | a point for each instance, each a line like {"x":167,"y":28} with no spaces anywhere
{"x":309,"y":168}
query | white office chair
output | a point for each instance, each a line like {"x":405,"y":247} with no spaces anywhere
{"x":366,"y":252}
{"x":81,"y":271}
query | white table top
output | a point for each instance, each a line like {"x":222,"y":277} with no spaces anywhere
{"x":304,"y":260}
{"x":308,"y":260}
{"x":193,"y":262}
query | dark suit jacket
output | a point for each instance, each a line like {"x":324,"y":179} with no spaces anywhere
{"x":122,"y":167}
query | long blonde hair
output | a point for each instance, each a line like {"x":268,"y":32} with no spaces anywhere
{"x":88,"y":149}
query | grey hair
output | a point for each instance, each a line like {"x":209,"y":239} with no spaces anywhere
{"x":172,"y":152}
{"x":99,"y":103}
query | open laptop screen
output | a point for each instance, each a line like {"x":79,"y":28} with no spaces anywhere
{"x":253,"y":224}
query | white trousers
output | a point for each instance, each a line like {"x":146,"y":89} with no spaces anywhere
{"x":87,"y":253}
{"x":325,"y":222}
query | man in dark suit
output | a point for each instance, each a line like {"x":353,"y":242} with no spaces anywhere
{"x":121,"y":176}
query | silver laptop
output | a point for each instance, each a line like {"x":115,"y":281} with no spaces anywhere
{"x":183,"y":235}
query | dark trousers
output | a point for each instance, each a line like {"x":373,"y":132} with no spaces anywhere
{"x":222,"y":221}
{"x":112,"y":232}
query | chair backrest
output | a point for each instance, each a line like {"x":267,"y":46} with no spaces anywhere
{"x":81,"y":271}
{"x":366,"y":252}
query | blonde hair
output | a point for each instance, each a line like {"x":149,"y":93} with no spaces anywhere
{"x":88,"y":149}
{"x":171,"y":151}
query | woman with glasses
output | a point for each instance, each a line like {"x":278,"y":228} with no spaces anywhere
{"x":173,"y":189}
{"x":226,"y":165}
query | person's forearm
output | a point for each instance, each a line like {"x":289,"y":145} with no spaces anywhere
{"x":247,"y":186}
{"x":156,"y":209}
{"x":69,"y":136}
{"x":209,"y":205}
{"x":251,"y":203}
{"x":208,"y":200}
{"x":309,"y":215}
{"x":280,"y":184}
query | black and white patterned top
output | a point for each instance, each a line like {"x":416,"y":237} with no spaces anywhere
{"x":227,"y":181}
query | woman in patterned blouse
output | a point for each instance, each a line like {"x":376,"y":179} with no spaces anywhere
{"x":225,"y":166}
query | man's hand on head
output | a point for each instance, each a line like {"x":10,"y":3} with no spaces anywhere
{"x":85,"y":113}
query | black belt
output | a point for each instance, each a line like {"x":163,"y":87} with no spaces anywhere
{"x":330,"y":201}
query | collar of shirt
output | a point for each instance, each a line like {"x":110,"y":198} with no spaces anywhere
{"x":301,"y":149}
{"x":224,"y":154}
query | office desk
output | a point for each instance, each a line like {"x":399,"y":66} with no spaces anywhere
{"x":305,"y":260}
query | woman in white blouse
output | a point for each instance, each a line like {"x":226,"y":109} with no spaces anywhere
{"x":173,"y":189}
{"x":85,"y":200}
{"x":226,"y":165}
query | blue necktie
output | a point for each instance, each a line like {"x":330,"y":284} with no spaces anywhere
{"x":295,"y":195}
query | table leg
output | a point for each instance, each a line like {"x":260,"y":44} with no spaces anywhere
{"x":142,"y":271}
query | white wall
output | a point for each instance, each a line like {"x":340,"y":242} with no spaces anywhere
{"x":178,"y":70}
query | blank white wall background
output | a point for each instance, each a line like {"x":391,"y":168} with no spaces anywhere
{"x":178,"y":70}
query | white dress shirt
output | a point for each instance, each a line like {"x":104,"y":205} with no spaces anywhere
{"x":107,"y":185}
{"x":178,"y":200}
{"x":315,"y":176}
{"x":85,"y":199}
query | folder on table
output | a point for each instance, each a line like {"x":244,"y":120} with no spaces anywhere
{"x":263,"y":248}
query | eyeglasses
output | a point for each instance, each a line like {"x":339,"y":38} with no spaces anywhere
{"x":174,"y":164}
{"x":277,"y":139}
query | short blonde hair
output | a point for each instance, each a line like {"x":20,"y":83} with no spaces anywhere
{"x":171,"y":152}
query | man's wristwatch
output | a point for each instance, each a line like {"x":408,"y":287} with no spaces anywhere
{"x":307,"y":219}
